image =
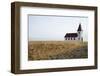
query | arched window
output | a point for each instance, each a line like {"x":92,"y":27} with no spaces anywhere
{"x":68,"y":38}
{"x":71,"y":38}
{"x":74,"y":38}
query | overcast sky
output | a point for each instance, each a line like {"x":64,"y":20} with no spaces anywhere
{"x":55,"y":27}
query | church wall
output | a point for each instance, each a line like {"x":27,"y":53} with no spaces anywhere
{"x":71,"y":38}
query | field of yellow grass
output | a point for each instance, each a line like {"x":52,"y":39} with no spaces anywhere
{"x":47,"y":50}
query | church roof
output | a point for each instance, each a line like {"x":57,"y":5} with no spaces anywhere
{"x":79,"y":28}
{"x":71,"y":35}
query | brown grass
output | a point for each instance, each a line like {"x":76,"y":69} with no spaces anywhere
{"x":46,"y":50}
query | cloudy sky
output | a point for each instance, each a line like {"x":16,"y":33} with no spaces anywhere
{"x":55,"y":27}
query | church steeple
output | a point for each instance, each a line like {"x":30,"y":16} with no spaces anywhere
{"x":79,"y":28}
{"x":79,"y":32}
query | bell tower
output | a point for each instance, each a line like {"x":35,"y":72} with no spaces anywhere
{"x":79,"y":32}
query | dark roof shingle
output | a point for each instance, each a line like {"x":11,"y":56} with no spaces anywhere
{"x":71,"y":35}
{"x":79,"y":28}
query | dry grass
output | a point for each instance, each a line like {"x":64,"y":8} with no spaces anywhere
{"x":46,"y":50}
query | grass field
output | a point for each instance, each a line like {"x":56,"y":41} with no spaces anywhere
{"x":47,"y":50}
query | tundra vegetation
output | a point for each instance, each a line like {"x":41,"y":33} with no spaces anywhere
{"x":49,"y":50}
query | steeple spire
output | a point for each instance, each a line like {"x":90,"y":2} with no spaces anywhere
{"x":79,"y":28}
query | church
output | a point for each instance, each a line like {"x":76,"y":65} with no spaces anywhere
{"x":75,"y":36}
